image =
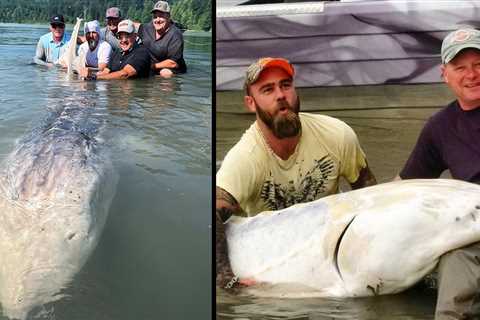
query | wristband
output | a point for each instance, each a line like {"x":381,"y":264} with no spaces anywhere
{"x":232,"y":283}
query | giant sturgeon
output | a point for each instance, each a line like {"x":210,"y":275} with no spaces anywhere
{"x":377,"y":240}
{"x":56,"y":188}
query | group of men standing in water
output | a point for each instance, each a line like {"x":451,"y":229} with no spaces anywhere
{"x":123,"y":49}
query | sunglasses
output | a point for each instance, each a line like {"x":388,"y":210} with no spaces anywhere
{"x":123,"y":37}
{"x":160,"y":14}
{"x":113,"y":21}
{"x":58,"y":26}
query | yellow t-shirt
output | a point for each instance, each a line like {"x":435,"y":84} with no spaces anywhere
{"x":259,"y":180}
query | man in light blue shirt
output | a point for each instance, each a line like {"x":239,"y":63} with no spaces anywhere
{"x":53,"y":44}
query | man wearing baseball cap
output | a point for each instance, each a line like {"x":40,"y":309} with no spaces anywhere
{"x":96,"y":51}
{"x":51,"y":46}
{"x":131,"y":61}
{"x":109,"y":33}
{"x":164,"y":41}
{"x":284,"y":158}
{"x":450,"y":141}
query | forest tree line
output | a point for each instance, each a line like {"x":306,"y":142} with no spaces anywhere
{"x":191,"y":14}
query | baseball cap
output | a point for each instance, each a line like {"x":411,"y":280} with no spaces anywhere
{"x":57,"y":19}
{"x":161,"y":6}
{"x":92,"y":26}
{"x":256,"y":68}
{"x":456,"y":41}
{"x":126,"y":26}
{"x":113,"y":12}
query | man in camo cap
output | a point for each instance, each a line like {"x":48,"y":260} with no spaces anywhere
{"x":450,"y":141}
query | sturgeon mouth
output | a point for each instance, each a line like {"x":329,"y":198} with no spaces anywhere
{"x":337,"y":248}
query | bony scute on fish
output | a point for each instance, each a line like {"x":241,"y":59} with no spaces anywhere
{"x":377,"y":240}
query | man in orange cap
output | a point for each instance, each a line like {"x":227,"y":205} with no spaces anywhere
{"x":285,"y":157}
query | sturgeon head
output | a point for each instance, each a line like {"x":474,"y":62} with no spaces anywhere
{"x":56,"y":189}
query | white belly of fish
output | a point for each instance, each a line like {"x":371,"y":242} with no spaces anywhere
{"x":376,"y":240}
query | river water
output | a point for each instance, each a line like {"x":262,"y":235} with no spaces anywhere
{"x":387,"y":120}
{"x":153,"y":260}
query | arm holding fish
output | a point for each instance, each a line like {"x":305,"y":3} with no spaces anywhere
{"x":126,"y":72}
{"x":236,"y":182}
{"x":103,"y":55}
{"x":225,"y":207}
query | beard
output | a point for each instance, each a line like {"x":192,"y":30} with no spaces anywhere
{"x":92,"y":44}
{"x":282,"y":126}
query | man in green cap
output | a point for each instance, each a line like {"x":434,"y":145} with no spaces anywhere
{"x":450,"y":140}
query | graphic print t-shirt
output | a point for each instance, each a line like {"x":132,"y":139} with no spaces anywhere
{"x":260,"y":181}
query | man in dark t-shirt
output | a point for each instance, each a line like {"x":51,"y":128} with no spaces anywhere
{"x":450,"y":140}
{"x":132,"y":61}
{"x":164,"y":41}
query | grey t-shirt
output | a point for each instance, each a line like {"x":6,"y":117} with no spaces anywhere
{"x":170,"y":46}
{"x":108,"y":36}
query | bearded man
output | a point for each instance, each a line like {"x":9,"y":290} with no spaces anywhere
{"x":284,"y":158}
{"x":97,"y":52}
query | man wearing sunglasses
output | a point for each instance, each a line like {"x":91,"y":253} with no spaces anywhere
{"x":51,"y":46}
{"x":164,"y":41}
{"x":131,"y":61}
{"x":109,"y":33}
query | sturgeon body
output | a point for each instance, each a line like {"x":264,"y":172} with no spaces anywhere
{"x":56,"y":188}
{"x":377,"y":240}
